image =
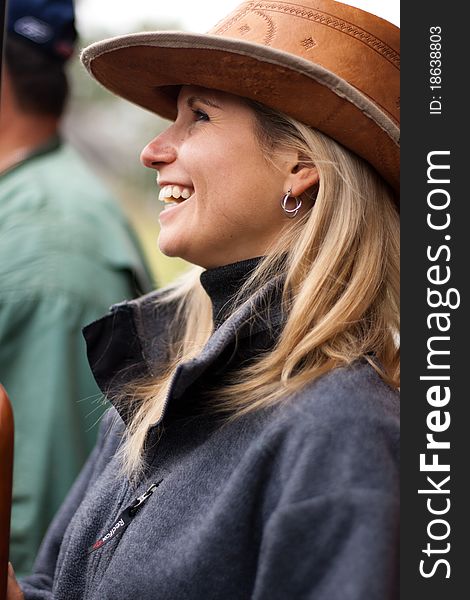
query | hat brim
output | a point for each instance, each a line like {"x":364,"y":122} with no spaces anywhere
{"x":148,"y":69}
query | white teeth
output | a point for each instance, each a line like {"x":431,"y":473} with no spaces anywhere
{"x":165,"y":192}
{"x":174,"y":192}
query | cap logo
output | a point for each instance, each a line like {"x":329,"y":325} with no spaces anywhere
{"x":34,"y":29}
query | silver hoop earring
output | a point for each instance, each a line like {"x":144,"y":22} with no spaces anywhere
{"x":291,"y":212}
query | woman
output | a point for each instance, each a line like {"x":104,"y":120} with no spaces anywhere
{"x":252,"y":450}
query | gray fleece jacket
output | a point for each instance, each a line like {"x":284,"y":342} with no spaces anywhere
{"x":296,"y":502}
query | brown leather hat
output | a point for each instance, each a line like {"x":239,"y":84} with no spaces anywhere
{"x":329,"y":65}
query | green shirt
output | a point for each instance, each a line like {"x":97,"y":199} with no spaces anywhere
{"x":66,"y":255}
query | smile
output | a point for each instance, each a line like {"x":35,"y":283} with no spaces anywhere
{"x":175,"y":193}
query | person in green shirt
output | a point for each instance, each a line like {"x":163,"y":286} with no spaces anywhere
{"x":66,"y":254}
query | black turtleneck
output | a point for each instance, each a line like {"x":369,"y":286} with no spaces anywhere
{"x":223,"y":283}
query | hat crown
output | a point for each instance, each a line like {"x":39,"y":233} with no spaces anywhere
{"x":359,"y":47}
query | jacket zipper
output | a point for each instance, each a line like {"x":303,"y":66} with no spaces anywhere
{"x":126,"y":516}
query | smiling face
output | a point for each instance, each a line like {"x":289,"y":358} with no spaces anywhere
{"x":227,"y":195}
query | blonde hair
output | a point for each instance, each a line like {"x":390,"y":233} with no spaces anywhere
{"x":339,"y":265}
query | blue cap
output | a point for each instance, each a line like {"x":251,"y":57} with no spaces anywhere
{"x":48,"y":24}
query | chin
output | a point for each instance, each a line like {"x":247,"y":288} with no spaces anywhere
{"x":167,"y":248}
{"x":173,"y":248}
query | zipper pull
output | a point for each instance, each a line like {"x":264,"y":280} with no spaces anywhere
{"x":126,"y":516}
{"x":133,"y":508}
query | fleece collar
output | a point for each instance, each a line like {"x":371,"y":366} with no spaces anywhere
{"x":132,"y":341}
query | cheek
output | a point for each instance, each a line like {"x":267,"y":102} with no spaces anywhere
{"x":262,"y":186}
{"x":234,"y":183}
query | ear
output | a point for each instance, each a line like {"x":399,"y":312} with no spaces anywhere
{"x":301,"y":179}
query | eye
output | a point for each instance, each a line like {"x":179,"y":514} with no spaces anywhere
{"x":200,"y":115}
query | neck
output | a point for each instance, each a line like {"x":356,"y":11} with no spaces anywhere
{"x":22,"y":133}
{"x":223,"y":283}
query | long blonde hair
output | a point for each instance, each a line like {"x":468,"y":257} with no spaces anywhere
{"x":339,"y":265}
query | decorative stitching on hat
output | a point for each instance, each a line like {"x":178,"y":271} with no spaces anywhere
{"x":309,"y":43}
{"x":271,"y":27}
{"x":328,"y":20}
{"x":224,"y":25}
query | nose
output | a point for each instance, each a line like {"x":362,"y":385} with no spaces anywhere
{"x":159,"y":151}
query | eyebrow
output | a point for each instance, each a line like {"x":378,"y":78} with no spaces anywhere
{"x":193,"y":99}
